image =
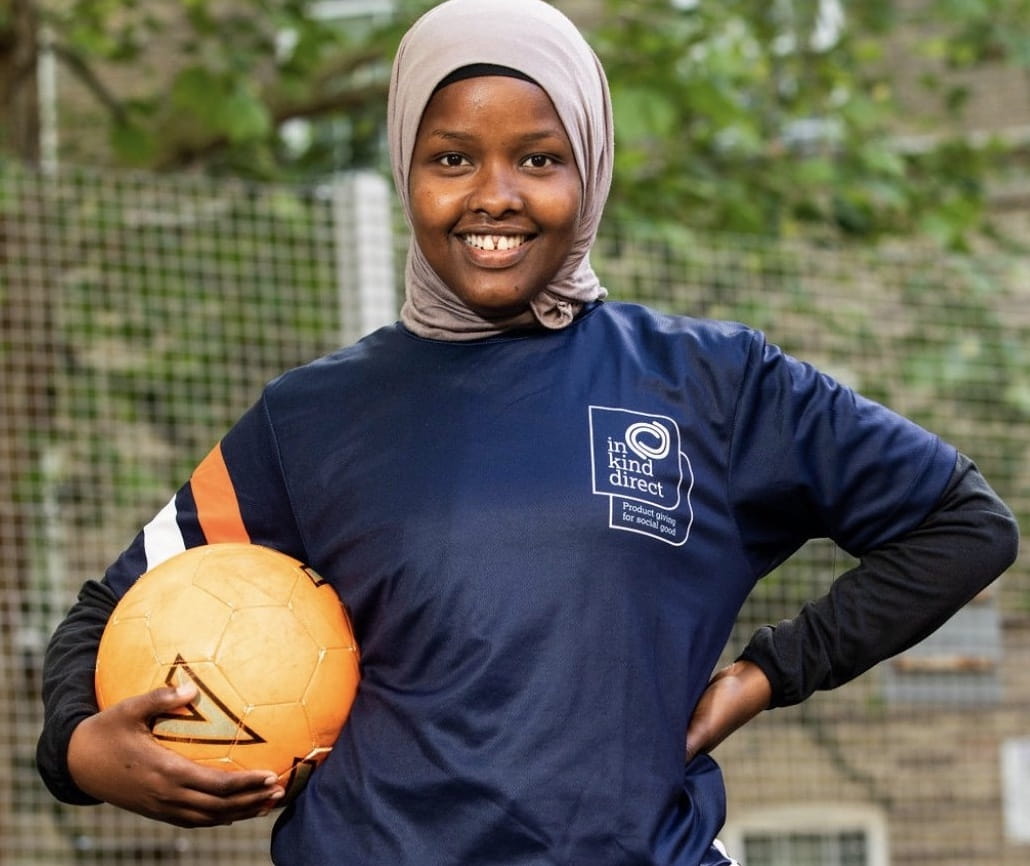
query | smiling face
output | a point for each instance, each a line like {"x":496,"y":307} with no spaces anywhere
{"x":495,"y":192}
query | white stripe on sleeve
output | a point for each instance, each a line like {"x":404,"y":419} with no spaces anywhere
{"x":161,"y":537}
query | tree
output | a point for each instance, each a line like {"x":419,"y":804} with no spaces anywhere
{"x":781,"y":117}
{"x":199,"y":84}
{"x":19,"y":94}
{"x":750,"y":116}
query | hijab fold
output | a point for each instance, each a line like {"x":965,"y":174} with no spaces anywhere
{"x":536,"y":40}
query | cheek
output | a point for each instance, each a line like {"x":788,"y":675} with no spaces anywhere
{"x":565,"y":211}
{"x":421,"y":203}
{"x":423,"y":227}
{"x":424,"y":198}
{"x":566,"y":201}
{"x":431,"y":210}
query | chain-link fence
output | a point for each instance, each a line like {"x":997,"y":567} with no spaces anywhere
{"x":140,"y":316}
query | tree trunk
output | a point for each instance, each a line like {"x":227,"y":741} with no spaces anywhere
{"x":19,"y":91}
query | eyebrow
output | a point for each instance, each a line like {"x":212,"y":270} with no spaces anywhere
{"x":528,"y":138}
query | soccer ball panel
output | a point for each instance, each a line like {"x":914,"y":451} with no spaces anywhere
{"x":246,"y":577}
{"x":282,"y":750}
{"x":326,"y":623}
{"x":189,"y":623}
{"x":131,"y":666}
{"x":270,"y":654}
{"x":335,"y":675}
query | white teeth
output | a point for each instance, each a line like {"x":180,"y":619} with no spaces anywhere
{"x":495,"y":242}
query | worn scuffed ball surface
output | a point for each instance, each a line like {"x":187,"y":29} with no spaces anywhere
{"x":267,"y":642}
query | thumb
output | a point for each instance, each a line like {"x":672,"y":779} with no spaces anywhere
{"x":161,"y":700}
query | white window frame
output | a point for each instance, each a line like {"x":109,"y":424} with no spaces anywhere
{"x":817,"y":819}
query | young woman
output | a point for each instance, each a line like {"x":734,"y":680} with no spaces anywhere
{"x":544,"y":511}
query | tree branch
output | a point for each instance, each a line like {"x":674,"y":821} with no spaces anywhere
{"x":87,"y":75}
{"x":320,"y":105}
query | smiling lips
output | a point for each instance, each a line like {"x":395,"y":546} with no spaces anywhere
{"x":495,"y":242}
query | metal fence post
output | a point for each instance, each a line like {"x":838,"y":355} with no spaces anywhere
{"x":363,"y":230}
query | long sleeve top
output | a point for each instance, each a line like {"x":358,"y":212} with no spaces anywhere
{"x":544,"y":540}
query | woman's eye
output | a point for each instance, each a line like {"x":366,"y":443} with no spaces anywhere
{"x":452,"y":160}
{"x":539,"y":160}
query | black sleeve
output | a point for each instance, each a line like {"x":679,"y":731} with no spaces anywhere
{"x":69,"y":695}
{"x":898,"y":594}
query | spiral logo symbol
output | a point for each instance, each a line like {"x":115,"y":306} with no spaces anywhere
{"x":649,"y":440}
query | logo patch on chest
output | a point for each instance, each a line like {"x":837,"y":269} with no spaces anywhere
{"x":638,"y":465}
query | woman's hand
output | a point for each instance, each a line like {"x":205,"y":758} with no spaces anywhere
{"x":113,"y":757}
{"x":734,"y":696}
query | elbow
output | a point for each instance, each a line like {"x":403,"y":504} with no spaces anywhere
{"x":999,"y":546}
{"x":1009,"y":543}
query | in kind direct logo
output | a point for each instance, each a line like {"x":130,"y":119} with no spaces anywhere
{"x":638,"y":465}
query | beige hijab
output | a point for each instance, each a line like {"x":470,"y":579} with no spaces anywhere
{"x":539,"y":41}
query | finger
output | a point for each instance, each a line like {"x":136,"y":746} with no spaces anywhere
{"x":194,"y":800}
{"x":226,"y":784}
{"x":199,"y":808}
{"x":145,"y":706}
{"x":183,"y":785}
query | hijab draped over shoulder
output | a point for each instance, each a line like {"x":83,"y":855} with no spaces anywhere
{"x":536,"y":40}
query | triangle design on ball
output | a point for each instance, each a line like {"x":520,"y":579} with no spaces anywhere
{"x":206,"y":719}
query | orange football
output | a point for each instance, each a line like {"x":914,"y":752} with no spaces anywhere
{"x":267,"y":642}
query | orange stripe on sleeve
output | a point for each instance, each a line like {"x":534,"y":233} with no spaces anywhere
{"x":218,"y":510}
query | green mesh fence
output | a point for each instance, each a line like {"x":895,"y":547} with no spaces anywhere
{"x":140,"y":316}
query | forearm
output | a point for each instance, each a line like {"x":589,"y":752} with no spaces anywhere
{"x":68,"y":691}
{"x":735,"y":695}
{"x":896,"y":596}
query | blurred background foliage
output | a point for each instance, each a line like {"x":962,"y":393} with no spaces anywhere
{"x":785,"y":117}
{"x":770,"y":117}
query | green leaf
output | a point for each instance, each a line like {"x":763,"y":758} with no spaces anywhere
{"x":199,"y":92}
{"x":244,"y":115}
{"x":133,"y":144}
{"x":642,"y":113}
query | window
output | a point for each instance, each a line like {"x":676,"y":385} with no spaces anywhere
{"x":832,"y":848}
{"x":809,"y":835}
{"x":1015,"y":779}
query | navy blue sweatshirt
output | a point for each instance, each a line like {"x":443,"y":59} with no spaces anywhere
{"x":544,"y":540}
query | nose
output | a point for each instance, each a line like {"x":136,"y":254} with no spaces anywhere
{"x":496,"y":191}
